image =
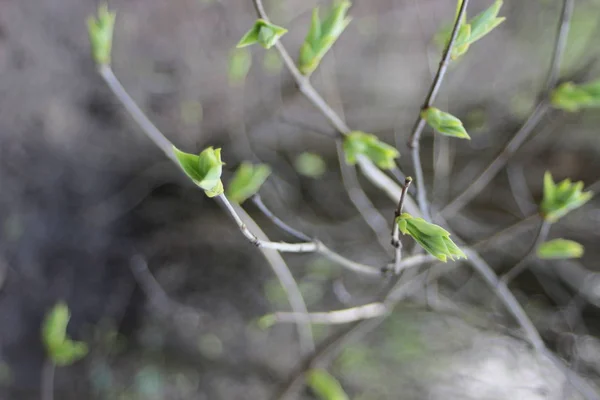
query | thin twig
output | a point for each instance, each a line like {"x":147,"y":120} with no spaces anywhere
{"x":541,"y":236}
{"x":320,"y":248}
{"x":527,"y":128}
{"x":395,"y":230}
{"x":388,"y":186}
{"x":560,"y":45}
{"x":460,"y":201}
{"x":347,"y":315}
{"x":361,"y":201}
{"x":307,"y":247}
{"x":289,"y":284}
{"x":47,"y":381}
{"x":257,"y":200}
{"x":275,"y":260}
{"x":136,"y":113}
{"x":417,"y":131}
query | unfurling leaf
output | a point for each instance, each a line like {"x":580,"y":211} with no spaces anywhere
{"x":246,"y":181}
{"x":322,"y":35}
{"x":310,"y":165}
{"x":433,"y":238}
{"x":571,"y":97}
{"x":359,"y":143}
{"x":561,"y":198}
{"x":204,"y":169}
{"x":59,"y":348}
{"x":262,"y":32}
{"x":240,"y":61}
{"x":559,"y":249}
{"x":444,"y":123}
{"x":100,"y":31}
{"x":324,"y":385}
{"x":472,"y":30}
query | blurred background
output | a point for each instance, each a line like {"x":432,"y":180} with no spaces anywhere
{"x":83,"y":193}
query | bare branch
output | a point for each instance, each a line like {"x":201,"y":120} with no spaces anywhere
{"x":540,"y":237}
{"x":417,"y":131}
{"x":257,"y":200}
{"x":367,"y":311}
{"x":527,"y":128}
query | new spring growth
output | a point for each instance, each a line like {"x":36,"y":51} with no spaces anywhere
{"x":59,"y":348}
{"x":322,"y":35}
{"x":433,"y":238}
{"x":558,"y":249}
{"x":561,"y":198}
{"x":471,"y":31}
{"x":359,"y":143}
{"x":263,"y":33}
{"x":204,"y":169}
{"x":572,"y":97}
{"x":246,"y":181}
{"x":324,"y":385}
{"x":444,"y":123}
{"x":100,"y":31}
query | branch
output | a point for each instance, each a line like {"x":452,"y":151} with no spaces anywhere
{"x":344,"y":316}
{"x":417,"y":131}
{"x":361,"y":201}
{"x":275,"y":260}
{"x":541,"y":236}
{"x":47,"y":382}
{"x":257,"y":200}
{"x":395,"y":230}
{"x":523,"y":133}
{"x":385,"y":183}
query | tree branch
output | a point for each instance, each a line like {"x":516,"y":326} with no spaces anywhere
{"x":417,"y":131}
{"x":523,"y":133}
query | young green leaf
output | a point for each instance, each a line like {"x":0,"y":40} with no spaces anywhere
{"x":360,"y":143}
{"x":310,"y":165}
{"x":433,"y":238}
{"x":322,"y":35}
{"x":59,"y":348}
{"x":572,"y":97}
{"x":444,"y":123}
{"x":485,"y":22}
{"x":240,"y":61}
{"x":246,"y":181}
{"x":559,"y":249}
{"x":560,"y":199}
{"x":472,"y":30}
{"x":263,"y":33}
{"x":204,"y":169}
{"x":100,"y":31}
{"x":324,"y":385}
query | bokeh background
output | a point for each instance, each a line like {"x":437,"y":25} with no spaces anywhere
{"x":82,"y":192}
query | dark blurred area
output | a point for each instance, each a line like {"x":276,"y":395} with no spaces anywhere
{"x":83,"y":194}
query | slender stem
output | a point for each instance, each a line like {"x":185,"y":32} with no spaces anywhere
{"x":323,"y":250}
{"x":257,"y":200}
{"x":395,"y":230}
{"x":289,"y":284}
{"x":527,"y":128}
{"x":336,"y":317}
{"x":136,"y":113}
{"x":388,"y":186}
{"x":460,"y":201}
{"x":417,"y":131}
{"x":560,"y":45}
{"x":348,"y":264}
{"x":361,"y":201}
{"x":47,"y":380}
{"x":275,"y":260}
{"x":541,"y":236}
{"x":508,"y":232}
{"x":307,"y":247}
